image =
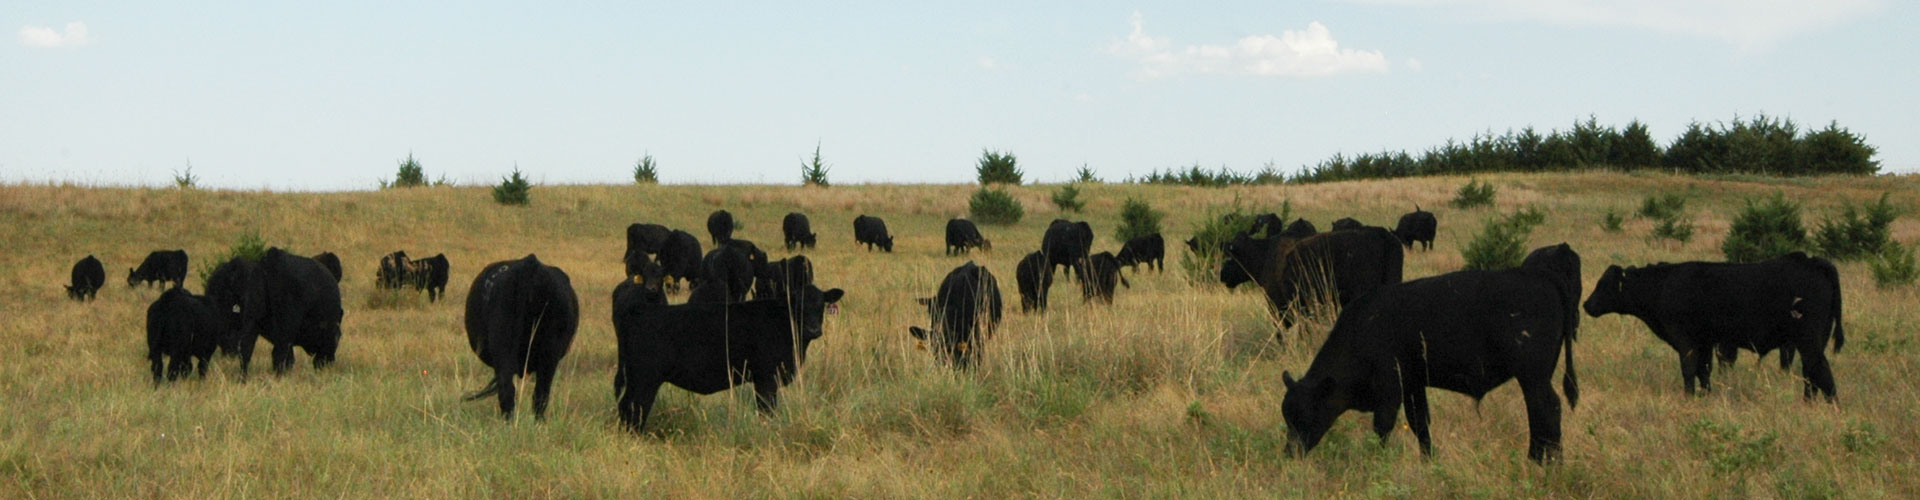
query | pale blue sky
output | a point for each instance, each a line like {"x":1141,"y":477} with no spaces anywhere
{"x":329,"y":95}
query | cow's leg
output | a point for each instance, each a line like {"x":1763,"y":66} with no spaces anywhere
{"x":541,"y":389}
{"x":329,"y":338}
{"x":1703,"y":369}
{"x":766,"y":392}
{"x":506,"y":366}
{"x":179,"y":366}
{"x":1819,"y":376}
{"x":154,"y":357}
{"x":1543,"y":418}
{"x":1687,"y":366}
{"x":637,"y":403}
{"x":1414,"y":396}
{"x":204,"y":361}
{"x":1729,"y":354}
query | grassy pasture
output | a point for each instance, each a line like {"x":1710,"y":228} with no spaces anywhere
{"x":1173,"y":391}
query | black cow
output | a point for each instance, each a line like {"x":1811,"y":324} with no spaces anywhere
{"x":1105,"y":271}
{"x":1300,"y":228}
{"x":1066,"y":243}
{"x":1266,"y":224}
{"x":1034,"y":279}
{"x":872,"y":231}
{"x":1790,"y":303}
{"x":720,"y":226}
{"x":786,"y":276}
{"x":331,"y":262}
{"x":1347,"y":224}
{"x":644,"y":240}
{"x":680,"y":258}
{"x":87,"y":278}
{"x":756,"y":263}
{"x":964,"y":313}
{"x":797,"y":231}
{"x":1466,"y":331}
{"x":725,"y":276}
{"x":963,"y":237}
{"x":521,"y":316}
{"x":160,"y":266}
{"x":289,"y":300}
{"x":396,"y":270}
{"x":636,"y":263}
{"x":182,"y":326}
{"x":1351,"y":262}
{"x":432,"y":275}
{"x":1418,"y":225}
{"x":1150,"y":249}
{"x":708,"y":348}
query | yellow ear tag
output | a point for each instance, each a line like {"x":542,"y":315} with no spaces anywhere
{"x":639,"y":280}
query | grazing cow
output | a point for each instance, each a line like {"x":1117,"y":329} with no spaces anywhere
{"x":872,"y":231}
{"x":1150,"y":249}
{"x":1300,"y":228}
{"x":182,"y":326}
{"x":1790,"y":303}
{"x":331,"y":262}
{"x":964,"y":313}
{"x":708,"y":348}
{"x":289,"y":300}
{"x":1347,"y":224}
{"x":395,"y":270}
{"x":1350,"y":263}
{"x":1418,"y":225}
{"x":87,"y":278}
{"x":644,"y":240}
{"x":1466,"y":331}
{"x":1066,"y":244}
{"x":1034,"y":279}
{"x":797,"y":231}
{"x":680,"y":258}
{"x":725,"y":276}
{"x":160,"y":266}
{"x":720,"y":226}
{"x":963,"y":237}
{"x":1105,"y":270}
{"x":431,"y":274}
{"x":521,"y":316}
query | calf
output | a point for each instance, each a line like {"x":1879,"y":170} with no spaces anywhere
{"x":160,"y":266}
{"x":797,"y":231}
{"x":1791,"y":303}
{"x":331,"y":262}
{"x":431,"y":274}
{"x":720,"y":226}
{"x":708,"y":348}
{"x":964,"y":313}
{"x":872,"y":231}
{"x":521,"y":317}
{"x":1341,"y":264}
{"x":1034,"y":279}
{"x":1105,"y":272}
{"x":963,"y":236}
{"x":680,"y":258}
{"x":1466,"y":331}
{"x":1418,"y":225}
{"x":289,"y":300}
{"x":182,"y":326}
{"x":1150,"y":249}
{"x":87,"y":278}
{"x":1066,"y":244}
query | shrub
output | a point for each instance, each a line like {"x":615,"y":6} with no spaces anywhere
{"x":815,"y":172}
{"x":1085,"y":175}
{"x":1219,"y":225}
{"x":1501,"y":243}
{"x":1473,"y":194}
{"x":1663,"y":206}
{"x":997,"y":167}
{"x":513,"y":190}
{"x":184,"y":179}
{"x":1137,"y":219}
{"x":1765,"y":229}
{"x":246,"y":245}
{"x":1893,"y":266}
{"x":410,"y":174}
{"x":1858,"y":232}
{"x":1610,"y":222}
{"x":994,"y":206}
{"x":1677,"y":228}
{"x":1202,"y":177}
{"x":1068,"y":198}
{"x":645,"y":172}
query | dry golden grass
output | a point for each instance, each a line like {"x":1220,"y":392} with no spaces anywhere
{"x":1173,"y":391}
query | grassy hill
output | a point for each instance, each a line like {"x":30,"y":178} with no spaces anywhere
{"x":1173,"y":391}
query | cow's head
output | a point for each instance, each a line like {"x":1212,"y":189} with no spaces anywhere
{"x":1309,"y":408}
{"x":814,"y":305}
{"x":132,"y":277}
{"x":1239,"y":259}
{"x":74,"y":293}
{"x":237,"y":290}
{"x":887,"y":244}
{"x":1610,"y":294}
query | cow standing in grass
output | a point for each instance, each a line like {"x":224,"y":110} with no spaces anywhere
{"x":87,"y":278}
{"x":1034,"y":279}
{"x":797,"y":231}
{"x":1342,"y":265}
{"x":182,"y":327}
{"x":289,"y":300}
{"x":332,"y":263}
{"x":1104,"y":272}
{"x":872,"y":232}
{"x":963,"y":237}
{"x":1066,"y":244}
{"x":160,"y":266}
{"x":964,"y":312}
{"x":1150,"y":249}
{"x":521,"y":317}
{"x":720,"y":226}
{"x":1417,"y":226}
{"x":680,"y":258}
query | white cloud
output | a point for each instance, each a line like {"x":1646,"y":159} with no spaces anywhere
{"x":987,"y":62}
{"x":38,"y":36}
{"x":1299,"y":54}
{"x":1744,"y":23}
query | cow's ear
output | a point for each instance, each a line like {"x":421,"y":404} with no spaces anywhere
{"x":924,"y":301}
{"x":832,"y":296}
{"x":1287,"y":377}
{"x":918,"y":333}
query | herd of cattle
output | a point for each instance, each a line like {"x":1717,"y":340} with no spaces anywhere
{"x":1465,"y":331}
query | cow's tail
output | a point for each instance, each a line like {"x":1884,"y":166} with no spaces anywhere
{"x":491,"y":389}
{"x":1569,"y":383}
{"x":1833,"y":278}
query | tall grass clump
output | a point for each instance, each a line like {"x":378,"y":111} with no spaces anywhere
{"x":1857,"y":232}
{"x":513,"y":190}
{"x":409,"y":175}
{"x":645,"y":171}
{"x":1893,"y":266}
{"x":1473,"y":194}
{"x":246,"y":245}
{"x":1068,"y":199}
{"x":1085,"y":175}
{"x":1677,"y":228}
{"x":1137,"y":219}
{"x":994,"y":206}
{"x":1220,"y":225}
{"x":997,"y":167}
{"x":184,"y":179}
{"x":1611,"y":221}
{"x":814,"y":173}
{"x":1662,"y":206}
{"x":1502,"y":240}
{"x":1765,"y":229}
